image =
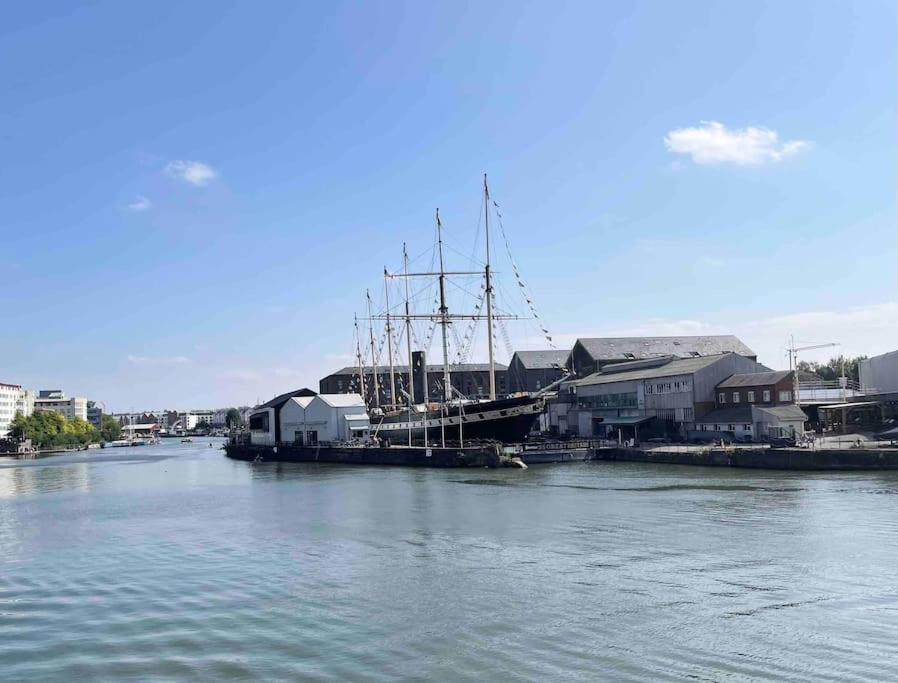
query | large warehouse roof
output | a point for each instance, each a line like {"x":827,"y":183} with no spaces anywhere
{"x":632,"y":348}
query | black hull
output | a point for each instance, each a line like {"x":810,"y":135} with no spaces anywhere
{"x":479,"y":456}
{"x":505,"y":420}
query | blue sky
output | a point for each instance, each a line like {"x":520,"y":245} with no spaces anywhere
{"x":194,"y":196}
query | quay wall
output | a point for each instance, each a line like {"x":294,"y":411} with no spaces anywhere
{"x":760,"y":458}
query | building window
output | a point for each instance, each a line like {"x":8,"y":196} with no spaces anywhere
{"x":785,"y":396}
{"x":766,"y":396}
{"x":722,"y":397}
{"x":735,"y":397}
{"x":746,"y":428}
{"x":751,"y":397}
{"x":732,"y":428}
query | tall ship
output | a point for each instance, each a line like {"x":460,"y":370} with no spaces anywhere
{"x":405,"y":405}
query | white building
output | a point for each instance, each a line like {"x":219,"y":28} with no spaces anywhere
{"x":55,"y":400}
{"x":14,"y":399}
{"x":306,"y":418}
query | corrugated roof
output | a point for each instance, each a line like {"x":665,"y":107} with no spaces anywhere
{"x":679,"y":366}
{"x":754,"y":379}
{"x":547,"y":358}
{"x":612,"y":348}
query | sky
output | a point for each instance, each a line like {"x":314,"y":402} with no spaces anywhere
{"x":195,"y":196}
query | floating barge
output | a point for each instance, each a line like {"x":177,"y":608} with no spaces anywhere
{"x":409,"y":456}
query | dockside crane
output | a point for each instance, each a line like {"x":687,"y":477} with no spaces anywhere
{"x":793,"y":362}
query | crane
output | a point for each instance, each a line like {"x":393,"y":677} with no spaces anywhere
{"x":793,"y":362}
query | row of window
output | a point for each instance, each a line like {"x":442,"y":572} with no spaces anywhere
{"x":668,"y":387}
{"x":720,"y":428}
{"x":623,"y":400}
{"x":784,"y":396}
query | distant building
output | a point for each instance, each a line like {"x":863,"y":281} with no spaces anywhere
{"x":534,"y":370}
{"x":14,"y":399}
{"x":470,"y":379}
{"x":591,"y":354}
{"x":55,"y":400}
{"x":646,"y":397}
{"x":94,"y":414}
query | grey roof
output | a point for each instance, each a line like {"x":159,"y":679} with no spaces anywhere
{"x":754,"y":379}
{"x":548,"y":358}
{"x":384,"y":369}
{"x":612,"y":348}
{"x":788,"y":412}
{"x":731,"y":415}
{"x":281,"y":399}
{"x":678,"y":366}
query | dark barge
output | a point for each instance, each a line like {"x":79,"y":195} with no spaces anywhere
{"x":486,"y":455}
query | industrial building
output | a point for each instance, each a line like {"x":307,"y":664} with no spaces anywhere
{"x":303,"y":417}
{"x":470,"y":379}
{"x":591,"y":354}
{"x":751,"y":423}
{"x":533,"y":371}
{"x":655,"y":396}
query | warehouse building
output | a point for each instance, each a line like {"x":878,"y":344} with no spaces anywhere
{"x":651,"y":397}
{"x":591,"y":354}
{"x":470,"y":379}
{"x":305,"y":418}
{"x":533,"y":371}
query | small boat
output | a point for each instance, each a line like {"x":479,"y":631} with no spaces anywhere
{"x":187,"y":440}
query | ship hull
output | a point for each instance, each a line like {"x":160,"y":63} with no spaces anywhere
{"x":504,"y":420}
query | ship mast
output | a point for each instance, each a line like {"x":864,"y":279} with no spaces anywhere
{"x":389,"y":338}
{"x":373,"y":352}
{"x":489,"y":290}
{"x":408,"y":333}
{"x":358,"y":355}
{"x":444,"y":324}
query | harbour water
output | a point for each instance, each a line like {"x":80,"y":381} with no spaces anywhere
{"x":173,"y":563}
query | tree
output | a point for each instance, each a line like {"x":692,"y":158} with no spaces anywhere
{"x":832,"y":369}
{"x":49,"y":429}
{"x":110,"y":429}
{"x":233,"y":418}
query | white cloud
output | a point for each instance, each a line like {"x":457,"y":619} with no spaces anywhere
{"x":868,"y":330}
{"x":713,"y":143}
{"x":194,"y":172}
{"x":158,"y":360}
{"x":139,"y":203}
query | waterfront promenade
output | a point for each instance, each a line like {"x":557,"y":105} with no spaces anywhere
{"x":174,"y":563}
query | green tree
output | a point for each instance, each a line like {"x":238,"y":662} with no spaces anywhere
{"x":110,"y":429}
{"x":832,"y":369}
{"x":232,"y":418}
{"x":49,"y":429}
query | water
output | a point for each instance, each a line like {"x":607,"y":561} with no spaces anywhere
{"x":172,"y":563}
